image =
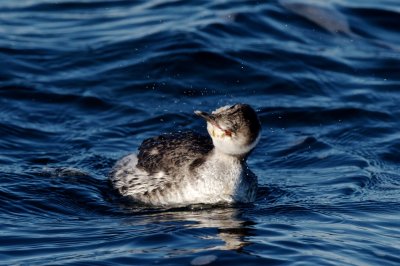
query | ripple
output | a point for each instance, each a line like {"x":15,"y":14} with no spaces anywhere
{"x":85,"y":82}
{"x":317,"y":115}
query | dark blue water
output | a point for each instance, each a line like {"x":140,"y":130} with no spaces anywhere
{"x":83,"y":83}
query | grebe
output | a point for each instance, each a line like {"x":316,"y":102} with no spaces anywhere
{"x":186,"y":168}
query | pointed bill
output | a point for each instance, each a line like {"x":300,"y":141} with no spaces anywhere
{"x":205,"y":115}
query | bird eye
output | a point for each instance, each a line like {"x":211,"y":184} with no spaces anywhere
{"x":228,"y":133}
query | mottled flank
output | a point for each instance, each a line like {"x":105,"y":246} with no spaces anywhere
{"x":169,"y":152}
{"x":139,"y":185}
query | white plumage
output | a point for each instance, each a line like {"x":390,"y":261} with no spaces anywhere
{"x":183,"y":169}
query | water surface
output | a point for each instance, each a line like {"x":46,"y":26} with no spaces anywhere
{"x":83,"y":83}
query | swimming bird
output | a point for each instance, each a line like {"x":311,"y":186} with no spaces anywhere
{"x":186,"y":168}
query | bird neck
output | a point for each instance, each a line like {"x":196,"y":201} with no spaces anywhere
{"x":232,"y":158}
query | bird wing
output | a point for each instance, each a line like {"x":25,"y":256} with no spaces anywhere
{"x":169,"y":152}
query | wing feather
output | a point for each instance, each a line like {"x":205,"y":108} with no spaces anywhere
{"x":169,"y":152}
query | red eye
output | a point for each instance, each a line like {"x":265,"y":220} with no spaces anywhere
{"x":228,"y":133}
